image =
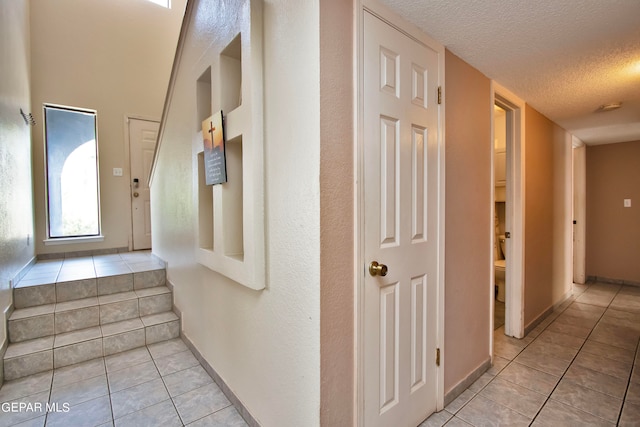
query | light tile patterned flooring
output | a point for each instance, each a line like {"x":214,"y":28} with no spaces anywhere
{"x":62,"y":270}
{"x":579,"y":367}
{"x":162,"y":384}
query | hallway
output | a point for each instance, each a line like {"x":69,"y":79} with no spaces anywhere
{"x":580,"y":366}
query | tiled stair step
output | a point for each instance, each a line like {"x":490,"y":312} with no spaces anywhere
{"x":55,"y":351}
{"x":44,"y":320}
{"x":51,"y":293}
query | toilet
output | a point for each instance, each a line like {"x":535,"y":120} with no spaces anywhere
{"x":500,"y":265}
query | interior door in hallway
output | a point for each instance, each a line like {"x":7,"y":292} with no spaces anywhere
{"x":400,"y":188}
{"x":142,"y":142}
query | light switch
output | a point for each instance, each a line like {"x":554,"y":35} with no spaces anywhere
{"x":627,"y":203}
{"x":117,"y":171}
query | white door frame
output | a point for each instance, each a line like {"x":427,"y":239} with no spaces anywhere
{"x":126,"y":169}
{"x":514,"y":310}
{"x":578,"y":165}
{"x":388,"y":16}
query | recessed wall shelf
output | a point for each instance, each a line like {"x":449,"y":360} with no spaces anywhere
{"x":203,"y":97}
{"x":231,"y":223}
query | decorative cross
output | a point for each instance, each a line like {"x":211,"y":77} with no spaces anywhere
{"x":211,"y":129}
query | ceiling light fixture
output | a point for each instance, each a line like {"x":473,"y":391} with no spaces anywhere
{"x":610,"y":106}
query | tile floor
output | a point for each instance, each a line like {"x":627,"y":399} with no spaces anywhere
{"x":162,"y":384}
{"x":498,"y":314}
{"x":88,"y":267}
{"x":579,"y":367}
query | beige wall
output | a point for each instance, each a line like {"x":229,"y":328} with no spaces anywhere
{"x":468,"y":220}
{"x":16,"y":217}
{"x":112,"y":56}
{"x":613,"y":231}
{"x":264,"y":344}
{"x":547,"y":196}
{"x":336,"y":214}
{"x":468,"y":223}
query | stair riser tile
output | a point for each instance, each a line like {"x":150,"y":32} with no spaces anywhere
{"x":117,"y":311}
{"x":149,"y":279}
{"x":115,"y":284}
{"x":34,"y":295}
{"x":76,"y":353}
{"x":155,"y":304}
{"x":29,"y":364}
{"x":77,"y":319}
{"x":162,"y":332}
{"x":31,"y":327}
{"x":76,"y":289}
{"x":123,"y":342}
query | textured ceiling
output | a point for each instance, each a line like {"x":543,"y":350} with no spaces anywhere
{"x":563,"y":57}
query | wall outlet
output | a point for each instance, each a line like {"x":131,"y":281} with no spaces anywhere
{"x":117,"y":171}
{"x":627,"y":203}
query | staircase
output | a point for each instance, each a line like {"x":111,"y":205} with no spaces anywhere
{"x":77,"y":309}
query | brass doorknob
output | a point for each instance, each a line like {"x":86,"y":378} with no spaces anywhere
{"x":136,"y":194}
{"x":376,"y":269}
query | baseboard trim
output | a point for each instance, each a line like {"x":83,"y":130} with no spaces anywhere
{"x":535,"y":322}
{"x":563,"y":303}
{"x":242,"y":410}
{"x":22,"y":272}
{"x":8,"y":310}
{"x":76,"y":254}
{"x":159,"y":260}
{"x":5,"y":343}
{"x":613,"y":281}
{"x":464,"y":384}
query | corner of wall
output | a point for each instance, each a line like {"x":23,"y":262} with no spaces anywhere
{"x":337,"y":222}
{"x":468,"y":258}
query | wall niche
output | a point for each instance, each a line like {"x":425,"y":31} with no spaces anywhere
{"x":231,"y":224}
{"x":203,"y":97}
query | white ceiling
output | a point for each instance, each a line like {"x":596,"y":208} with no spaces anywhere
{"x":565,"y":58}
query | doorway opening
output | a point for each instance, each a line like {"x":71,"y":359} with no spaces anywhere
{"x":507,"y":210}
{"x":579,"y":210}
{"x":500,"y":209}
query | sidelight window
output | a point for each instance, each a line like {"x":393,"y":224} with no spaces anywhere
{"x":73,"y":196}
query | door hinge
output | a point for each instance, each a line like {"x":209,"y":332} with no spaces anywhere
{"x":439,"y":94}
{"x":437,"y":357}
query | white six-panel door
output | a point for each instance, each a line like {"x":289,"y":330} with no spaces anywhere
{"x":400,"y":189}
{"x":142,"y":142}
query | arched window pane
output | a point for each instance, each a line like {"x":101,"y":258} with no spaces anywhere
{"x":72,"y":172}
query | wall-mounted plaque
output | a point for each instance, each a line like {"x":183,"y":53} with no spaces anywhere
{"x":214,"y":159}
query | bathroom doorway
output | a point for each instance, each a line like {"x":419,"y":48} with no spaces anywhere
{"x":500,"y":203}
{"x":507,"y":206}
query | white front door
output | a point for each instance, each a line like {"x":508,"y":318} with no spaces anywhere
{"x":142,"y":143}
{"x":400,"y":190}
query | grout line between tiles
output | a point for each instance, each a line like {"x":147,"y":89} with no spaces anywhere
{"x":548,"y":397}
{"x":153,"y":359}
{"x":626,"y":391}
{"x":576,"y":355}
